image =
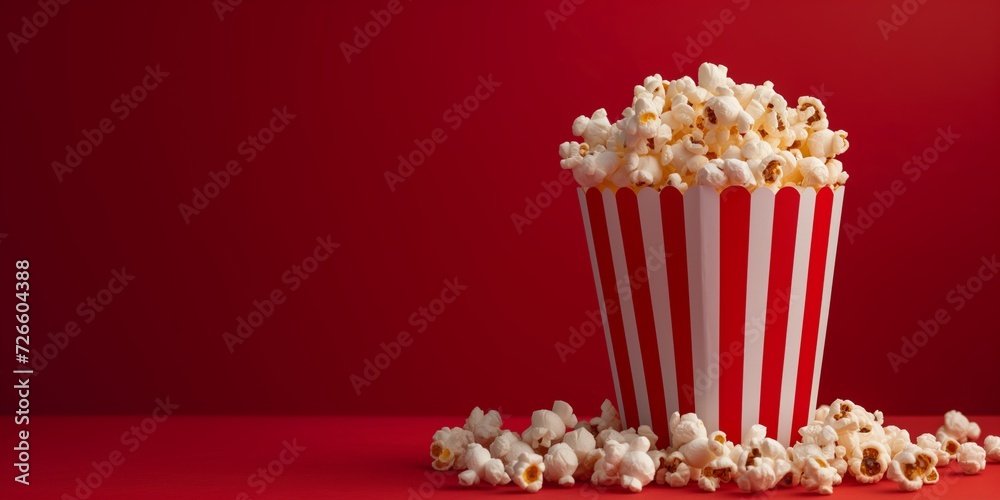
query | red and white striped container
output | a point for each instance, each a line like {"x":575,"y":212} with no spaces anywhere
{"x":714,"y":303}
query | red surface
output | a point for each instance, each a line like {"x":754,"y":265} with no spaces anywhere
{"x":344,"y":457}
{"x":325,"y":174}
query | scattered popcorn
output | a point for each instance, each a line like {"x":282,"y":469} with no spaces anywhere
{"x":645,"y":431}
{"x":548,"y":426}
{"x":959,"y":427}
{"x":673,"y":471}
{"x":930,"y":443}
{"x":448,"y":446}
{"x":720,"y":470}
{"x":609,"y":435}
{"x":896,"y":439}
{"x":673,"y":129}
{"x":528,"y":472}
{"x":992,"y":447}
{"x":609,"y":418}
{"x":869,"y":462}
{"x":685,"y":428}
{"x":971,"y":457}
{"x":842,"y":439}
{"x":565,"y":412}
{"x":761,"y":475}
{"x":484,"y":427}
{"x":948,"y":443}
{"x":606,"y":468}
{"x":581,"y":441}
{"x":480,"y":466}
{"x":913,"y":467}
{"x":637,"y":468}
{"x":699,"y":452}
{"x":508,"y":447}
{"x":560,"y":464}
{"x":819,"y":476}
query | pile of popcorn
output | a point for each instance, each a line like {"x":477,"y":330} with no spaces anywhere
{"x":713,"y":132}
{"x":843,"y":439}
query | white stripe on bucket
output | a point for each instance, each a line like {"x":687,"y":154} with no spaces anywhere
{"x":701,"y":221}
{"x":758,"y":273}
{"x":796,"y":311}
{"x":656,"y":267}
{"x":831,"y":259}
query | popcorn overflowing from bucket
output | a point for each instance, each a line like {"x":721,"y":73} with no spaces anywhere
{"x":843,"y":440}
{"x":711,"y":132}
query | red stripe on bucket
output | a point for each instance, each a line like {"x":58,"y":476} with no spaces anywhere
{"x":675,"y":246}
{"x":606,"y":267}
{"x":734,"y":247}
{"x":779,"y":285}
{"x":635,"y":257}
{"x":813,"y":304}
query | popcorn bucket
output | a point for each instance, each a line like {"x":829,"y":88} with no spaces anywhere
{"x":714,"y":303}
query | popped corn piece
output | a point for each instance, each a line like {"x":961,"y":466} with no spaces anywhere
{"x":517,"y":449}
{"x":502,"y":444}
{"x":814,"y":172}
{"x":738,"y":173}
{"x":565,"y":412}
{"x":646,"y":119}
{"x":673,"y":471}
{"x":528,"y":472}
{"x":700,"y":451}
{"x":631,"y":434}
{"x":448,"y":446}
{"x":609,"y":435}
{"x":971,"y":457}
{"x":675,"y":180}
{"x":480,"y":466}
{"x":959,"y":427}
{"x":930,"y":443}
{"x":992,"y":447}
{"x":948,"y":443}
{"x":494,"y":472}
{"x":712,"y":174}
{"x":827,"y":143}
{"x":869,"y":462}
{"x":719,"y":470}
{"x":581,"y":441}
{"x":609,"y":418}
{"x":637,"y":468}
{"x":549,"y":426}
{"x":812,"y":112}
{"x":593,"y":130}
{"x":685,"y":428}
{"x":606,"y":470}
{"x":910,"y":467}
{"x":723,"y":111}
{"x":896,"y":439}
{"x":485,"y":427}
{"x":647,"y":172}
{"x":819,"y":476}
{"x":821,"y":412}
{"x":560,"y":464}
{"x":761,"y":474}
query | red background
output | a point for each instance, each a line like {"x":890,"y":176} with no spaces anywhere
{"x":324,"y":175}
